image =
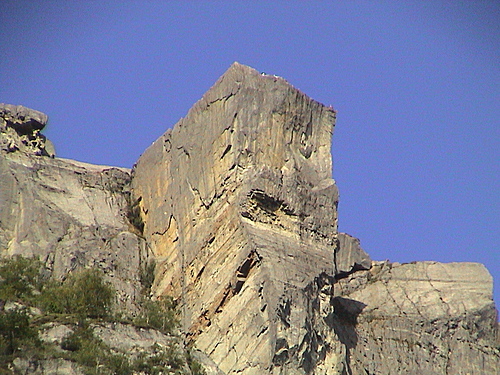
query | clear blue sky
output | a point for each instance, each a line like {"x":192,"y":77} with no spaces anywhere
{"x":416,"y":85}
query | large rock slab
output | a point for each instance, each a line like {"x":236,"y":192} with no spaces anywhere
{"x":418,"y":318}
{"x":240,"y":210}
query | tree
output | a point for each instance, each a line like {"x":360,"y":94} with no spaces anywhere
{"x":19,"y":277}
{"x":84,"y":293}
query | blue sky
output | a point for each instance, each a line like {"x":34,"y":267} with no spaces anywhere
{"x":416,"y":86}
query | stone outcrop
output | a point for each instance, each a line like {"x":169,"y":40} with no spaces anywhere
{"x":20,"y":130}
{"x":122,"y":340}
{"x":66,"y":213}
{"x":240,"y":210}
{"x":237,"y":207}
{"x":418,"y":318}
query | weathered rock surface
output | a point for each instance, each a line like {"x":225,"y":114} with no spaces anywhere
{"x":20,"y":130}
{"x":240,"y":211}
{"x":122,"y":339}
{"x":238,"y":208}
{"x":350,"y":257}
{"x":418,"y":318}
{"x":66,"y":213}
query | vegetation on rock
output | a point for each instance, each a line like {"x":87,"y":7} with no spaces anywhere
{"x":83,"y":293}
{"x":29,"y":303}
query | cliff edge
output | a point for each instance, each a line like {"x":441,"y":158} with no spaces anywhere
{"x":241,"y":212}
{"x":237,"y":207}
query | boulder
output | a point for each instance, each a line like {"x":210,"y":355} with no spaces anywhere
{"x":20,"y":131}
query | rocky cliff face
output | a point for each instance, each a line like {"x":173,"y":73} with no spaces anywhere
{"x":69,"y":214}
{"x":238,"y":208}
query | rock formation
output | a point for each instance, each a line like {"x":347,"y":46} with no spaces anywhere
{"x":67,"y":213}
{"x":241,"y":213}
{"x":237,"y":206}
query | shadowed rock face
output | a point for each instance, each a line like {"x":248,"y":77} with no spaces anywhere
{"x":238,"y":206}
{"x":241,"y":212}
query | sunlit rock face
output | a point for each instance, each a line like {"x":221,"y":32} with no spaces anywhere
{"x":237,"y":206}
{"x":66,"y":213}
{"x":240,"y":211}
{"x":418,"y":318}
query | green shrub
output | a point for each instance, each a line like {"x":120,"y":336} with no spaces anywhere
{"x":94,"y":355}
{"x":166,"y":360}
{"x":84,"y":293}
{"x":118,"y":364}
{"x":19,"y":277}
{"x":15,"y":332}
{"x":158,"y":314}
{"x":195,"y":366}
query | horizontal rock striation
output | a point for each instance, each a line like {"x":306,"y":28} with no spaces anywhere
{"x":240,"y":210}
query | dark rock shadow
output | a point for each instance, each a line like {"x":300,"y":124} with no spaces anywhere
{"x":343,"y":321}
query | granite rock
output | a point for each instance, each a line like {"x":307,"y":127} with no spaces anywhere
{"x":418,"y":318}
{"x":240,"y":210}
{"x":237,"y":207}
{"x":20,"y":129}
{"x":70,"y":215}
{"x":350,"y":257}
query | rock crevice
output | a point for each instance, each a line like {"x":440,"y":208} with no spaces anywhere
{"x":237,"y":207}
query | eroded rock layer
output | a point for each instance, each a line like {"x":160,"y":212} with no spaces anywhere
{"x":240,"y":208}
{"x":241,"y":212}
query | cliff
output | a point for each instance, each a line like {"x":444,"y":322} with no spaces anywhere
{"x":237,"y":207}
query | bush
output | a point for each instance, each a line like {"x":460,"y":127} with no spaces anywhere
{"x":84,"y":293}
{"x":16,"y":332}
{"x":158,"y":314}
{"x":162,"y":359}
{"x":195,"y":366}
{"x":19,"y":278}
{"x":118,"y":364}
{"x":94,"y":355}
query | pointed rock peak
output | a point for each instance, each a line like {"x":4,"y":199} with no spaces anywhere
{"x":236,"y":66}
{"x":236,"y":69}
{"x":235,"y":77}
